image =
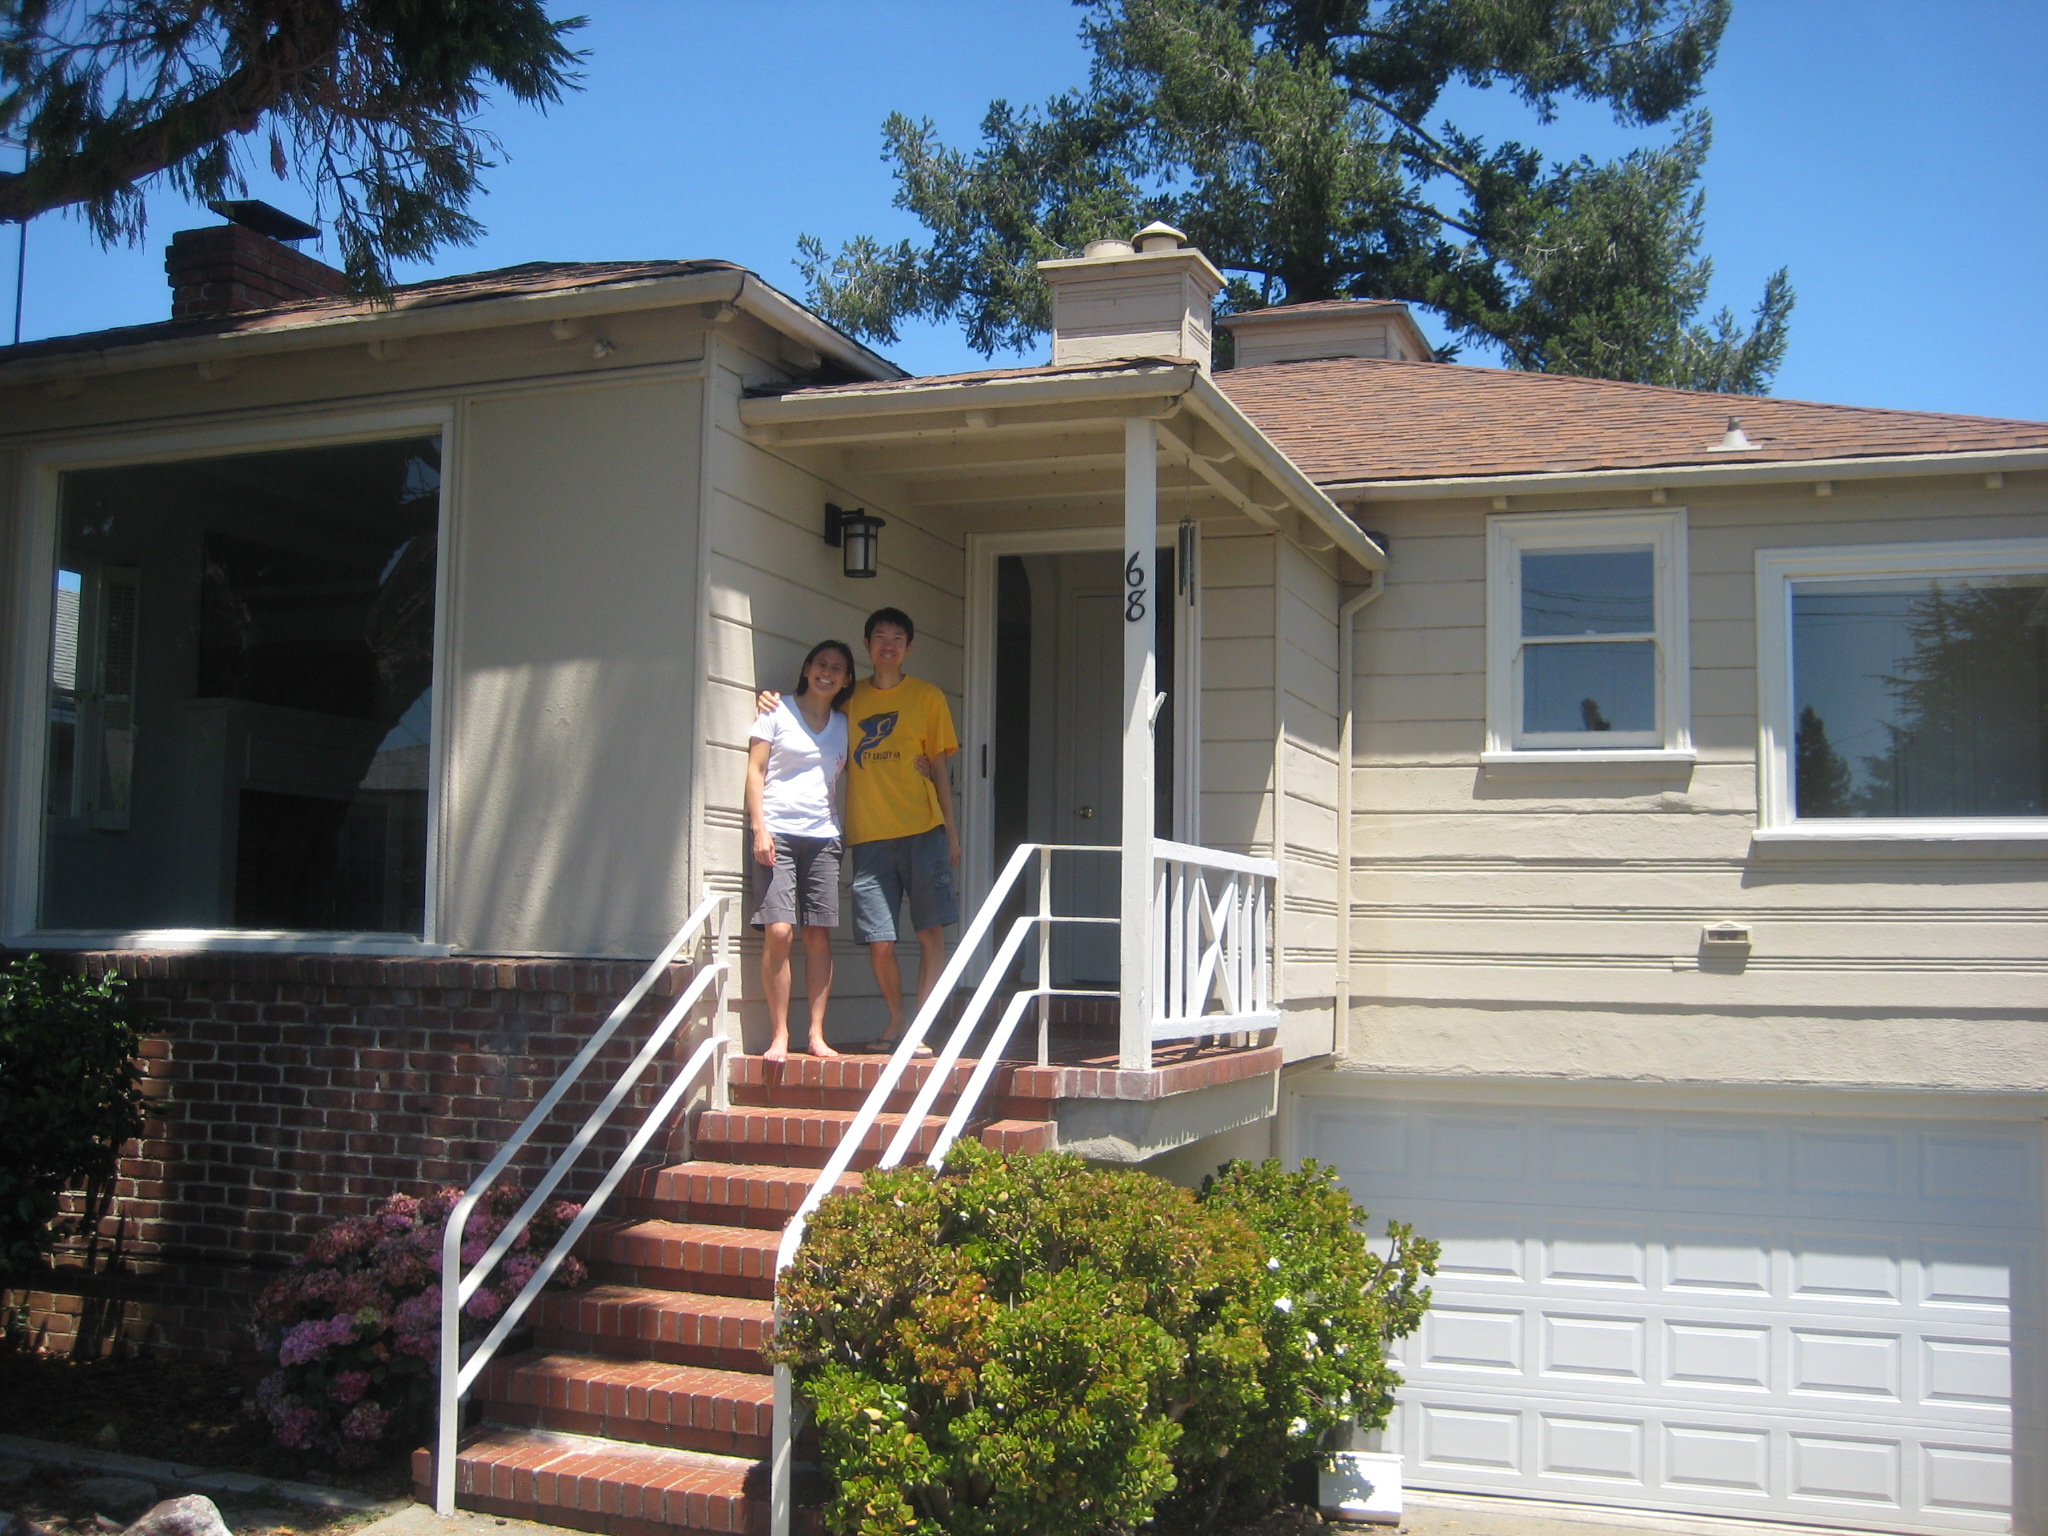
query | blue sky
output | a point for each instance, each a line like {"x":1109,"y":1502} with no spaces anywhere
{"x":1893,"y":155}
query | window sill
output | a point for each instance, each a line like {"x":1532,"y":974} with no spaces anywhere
{"x":232,"y":941}
{"x":1905,"y":839}
{"x":1621,"y":763}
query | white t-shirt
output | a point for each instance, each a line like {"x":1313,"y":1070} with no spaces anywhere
{"x":796,"y":791}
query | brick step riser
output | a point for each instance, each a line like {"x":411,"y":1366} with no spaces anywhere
{"x":650,"y":1208}
{"x":992,"y":1106}
{"x":617,"y":1508}
{"x":787,"y":1155}
{"x":712,"y":1439}
{"x":703,"y":1282}
{"x":718,"y":1357}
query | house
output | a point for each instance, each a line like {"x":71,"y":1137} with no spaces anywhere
{"x":1605,"y":822}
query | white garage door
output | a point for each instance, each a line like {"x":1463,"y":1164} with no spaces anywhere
{"x":1811,"y":1319}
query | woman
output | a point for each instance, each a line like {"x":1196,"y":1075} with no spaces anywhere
{"x":794,"y":764}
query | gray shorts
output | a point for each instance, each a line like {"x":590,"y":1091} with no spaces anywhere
{"x":803,"y":887}
{"x":889,"y":868}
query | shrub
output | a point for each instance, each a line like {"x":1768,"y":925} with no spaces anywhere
{"x":69,"y":1098}
{"x":1327,"y":1309}
{"x":1008,"y":1346}
{"x":354,"y":1329}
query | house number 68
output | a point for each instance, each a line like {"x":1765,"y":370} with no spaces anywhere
{"x":1134,"y":581}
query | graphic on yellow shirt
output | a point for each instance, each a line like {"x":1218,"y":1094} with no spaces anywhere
{"x":885,"y":794}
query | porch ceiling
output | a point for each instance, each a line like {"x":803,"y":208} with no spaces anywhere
{"x":1045,"y":447}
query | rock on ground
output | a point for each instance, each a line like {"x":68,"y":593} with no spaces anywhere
{"x":192,"y":1515}
{"x":12,"y":1524}
{"x":123,"y":1496}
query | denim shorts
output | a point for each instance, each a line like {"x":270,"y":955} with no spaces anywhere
{"x":803,"y":887}
{"x":887,"y":870}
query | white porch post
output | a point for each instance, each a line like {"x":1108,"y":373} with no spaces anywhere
{"x":1141,"y":541}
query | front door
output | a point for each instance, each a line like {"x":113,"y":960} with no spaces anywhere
{"x":1056,"y":740}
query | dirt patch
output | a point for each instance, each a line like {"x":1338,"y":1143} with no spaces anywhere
{"x":189,"y":1414}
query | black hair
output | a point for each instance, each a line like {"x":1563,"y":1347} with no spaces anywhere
{"x":803,"y":681}
{"x":894,"y":616}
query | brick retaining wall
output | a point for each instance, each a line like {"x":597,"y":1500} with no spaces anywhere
{"x":287,"y":1090}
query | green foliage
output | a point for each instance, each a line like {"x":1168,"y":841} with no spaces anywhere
{"x":1327,"y":1307}
{"x":372,"y":104}
{"x":1030,"y":1345}
{"x":1006,"y":1347}
{"x":69,"y":1097}
{"x":1294,"y":141}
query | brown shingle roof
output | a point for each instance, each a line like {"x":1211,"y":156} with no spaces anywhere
{"x":1355,"y":418}
{"x":1315,"y":307}
{"x":534,"y":277}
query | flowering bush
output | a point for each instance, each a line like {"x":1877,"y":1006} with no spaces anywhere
{"x":354,"y":1328}
{"x":1327,"y":1309}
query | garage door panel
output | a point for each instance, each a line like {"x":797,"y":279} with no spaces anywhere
{"x":1610,"y":1257}
{"x":1727,"y":1314}
{"x":1603,"y":1349}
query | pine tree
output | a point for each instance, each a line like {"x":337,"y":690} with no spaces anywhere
{"x":1823,"y":781}
{"x":1295,"y":142}
{"x":371,"y":103}
{"x":1971,"y":734}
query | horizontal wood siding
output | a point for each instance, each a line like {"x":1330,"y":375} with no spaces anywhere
{"x":775,"y":588}
{"x":1552,"y":928}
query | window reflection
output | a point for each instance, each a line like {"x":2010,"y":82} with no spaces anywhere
{"x":1919,"y":697}
{"x":241,"y":665}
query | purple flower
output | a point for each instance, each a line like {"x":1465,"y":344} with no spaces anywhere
{"x":349,"y":1386}
{"x":306,"y":1342}
{"x":484,"y":1305}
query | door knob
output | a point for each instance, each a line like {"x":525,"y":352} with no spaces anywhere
{"x":1086,"y":813}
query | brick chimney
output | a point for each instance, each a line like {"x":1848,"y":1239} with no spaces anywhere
{"x":1147,"y":297}
{"x":229,"y":270}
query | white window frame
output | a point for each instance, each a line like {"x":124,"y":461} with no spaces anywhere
{"x":1776,"y":572}
{"x":1512,"y":534}
{"x":35,"y":570}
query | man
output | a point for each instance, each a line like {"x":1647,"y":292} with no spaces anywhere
{"x":899,"y":812}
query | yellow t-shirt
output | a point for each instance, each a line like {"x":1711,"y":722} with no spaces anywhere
{"x":890,"y":728}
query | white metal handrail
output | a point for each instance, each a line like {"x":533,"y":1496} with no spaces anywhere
{"x":457,"y":1375}
{"x":780,"y":1464}
{"x":1210,"y":919}
{"x":1205,"y":949}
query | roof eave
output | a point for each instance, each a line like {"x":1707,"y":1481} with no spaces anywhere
{"x":1310,"y":500}
{"x":729,"y":286}
{"x":1677,"y":476}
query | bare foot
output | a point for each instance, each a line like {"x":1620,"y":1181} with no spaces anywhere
{"x":776,"y":1052}
{"x":820,"y":1048}
{"x":889,"y":1043}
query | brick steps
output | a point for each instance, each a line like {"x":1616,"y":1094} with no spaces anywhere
{"x":649,"y":1402}
{"x":644,"y":1407}
{"x":603,"y":1486}
{"x":720,"y":1193}
{"x":644,"y":1323}
{"x":807,"y":1138}
{"x":683,"y":1256}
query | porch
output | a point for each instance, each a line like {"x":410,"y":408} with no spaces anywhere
{"x":1163,"y":832}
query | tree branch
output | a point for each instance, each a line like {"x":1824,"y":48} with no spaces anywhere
{"x":233,"y":106}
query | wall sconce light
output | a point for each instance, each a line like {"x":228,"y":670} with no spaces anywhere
{"x":858,"y":534}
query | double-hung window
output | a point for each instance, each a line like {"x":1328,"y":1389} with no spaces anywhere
{"x":1586,"y":639}
{"x":1903,"y":691}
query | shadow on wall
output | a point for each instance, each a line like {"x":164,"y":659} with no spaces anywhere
{"x":569,"y":831}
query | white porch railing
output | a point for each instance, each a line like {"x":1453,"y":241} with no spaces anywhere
{"x":1210,"y":969}
{"x":1209,"y":941}
{"x":458,"y":1374}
